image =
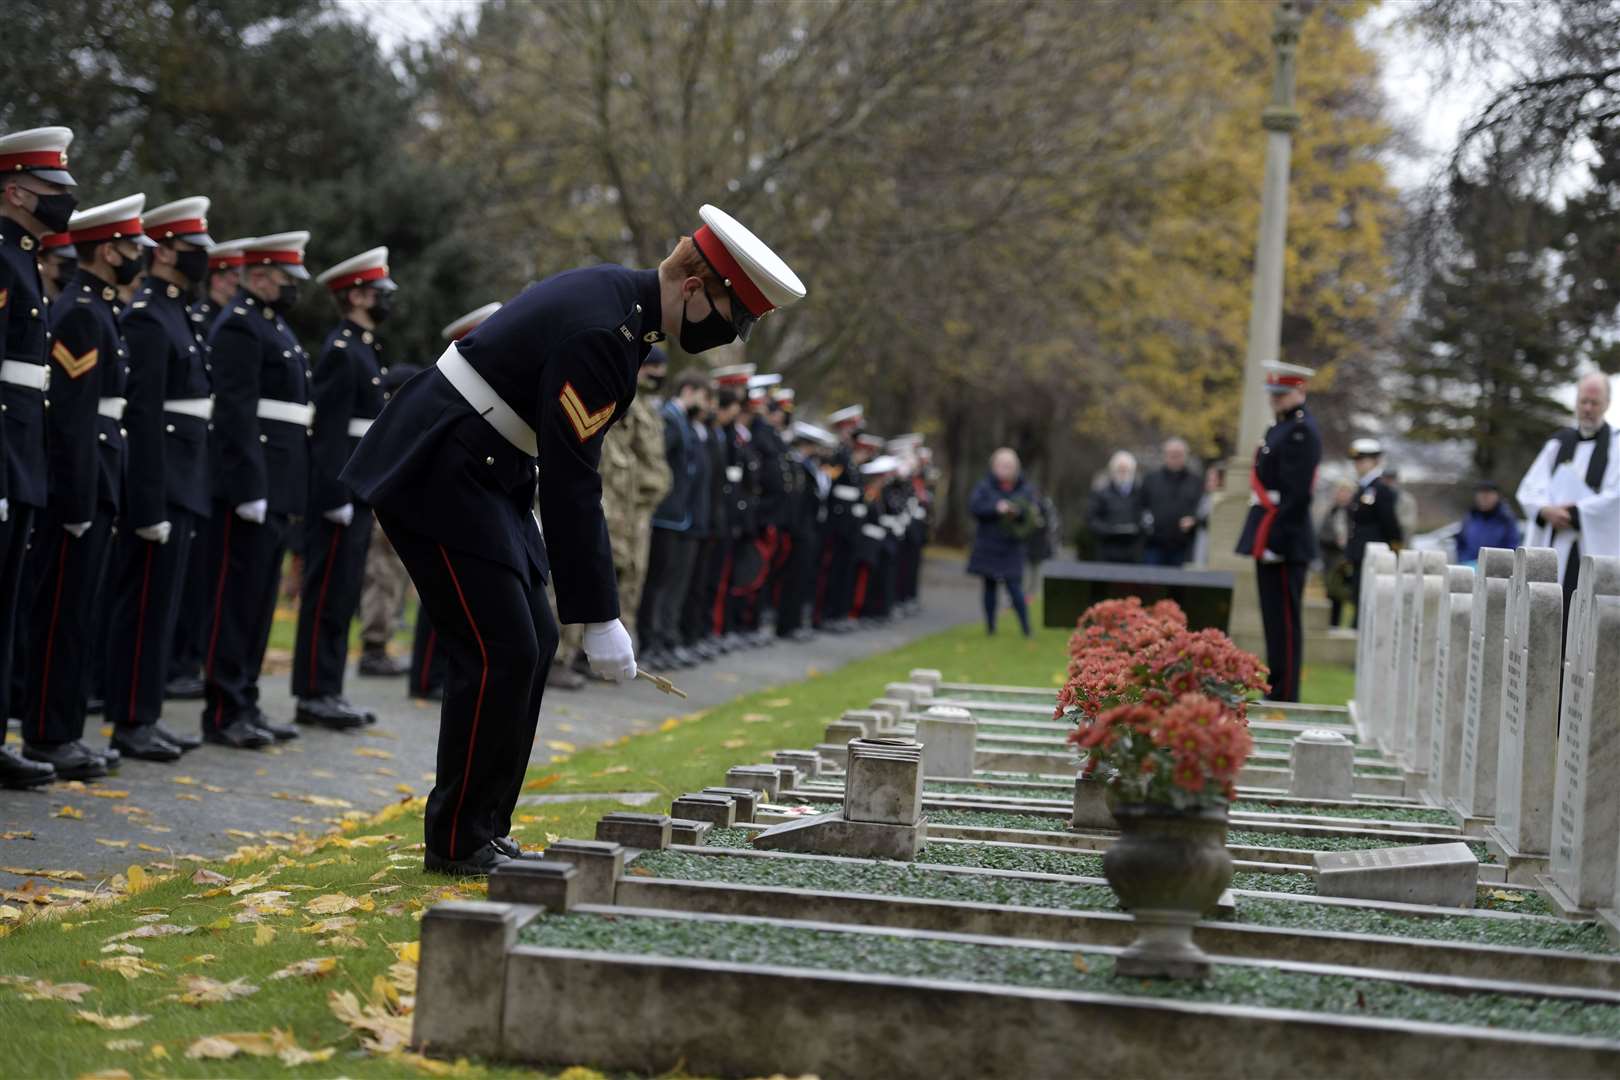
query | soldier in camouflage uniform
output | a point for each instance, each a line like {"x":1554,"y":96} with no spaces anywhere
{"x":635,"y":477}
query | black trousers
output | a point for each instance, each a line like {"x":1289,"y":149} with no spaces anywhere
{"x":334,"y":571}
{"x":144,"y":588}
{"x":839,"y":599}
{"x":797,"y":581}
{"x":427,"y":659}
{"x":68,"y":574}
{"x":675,"y":554}
{"x":697,"y":613}
{"x":244,"y":571}
{"x":13,"y":549}
{"x":1282,"y":593}
{"x":497,"y":632}
{"x":191,"y":612}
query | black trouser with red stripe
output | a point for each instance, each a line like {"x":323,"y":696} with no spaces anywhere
{"x":334,"y":571}
{"x":838,"y":591}
{"x":144,"y":589}
{"x":797,"y":582}
{"x":190,"y":639}
{"x":1282,"y":596}
{"x":67,"y":574}
{"x":13,"y":612}
{"x":244,"y":571}
{"x":427,"y":659}
{"x":496,"y":630}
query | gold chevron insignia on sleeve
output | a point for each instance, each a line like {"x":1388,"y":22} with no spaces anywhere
{"x":586,"y":423}
{"x":75,"y":366}
{"x":5,"y":295}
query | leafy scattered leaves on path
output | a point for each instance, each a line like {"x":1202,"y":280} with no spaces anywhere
{"x":201,"y":990}
{"x":68,"y":812}
{"x":380,"y":1031}
{"x":276,"y":1043}
{"x":316,"y":967}
{"x":130,"y":967}
{"x":45,"y":990}
{"x":112,"y":1023}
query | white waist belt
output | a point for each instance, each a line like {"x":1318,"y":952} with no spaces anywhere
{"x":19,"y":373}
{"x":358,"y":428}
{"x":486,"y":402}
{"x":874,"y":531}
{"x":111,"y":407}
{"x":288,"y":412}
{"x":200,"y":407}
{"x":845,"y":492}
{"x":1274,"y":496}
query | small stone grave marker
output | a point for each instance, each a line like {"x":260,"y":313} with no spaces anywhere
{"x":1322,"y":765}
{"x":1441,"y":874}
{"x":717,"y":810}
{"x":949,"y":736}
{"x":650,"y":831}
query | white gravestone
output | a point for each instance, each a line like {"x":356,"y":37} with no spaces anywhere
{"x":1586,"y":798}
{"x":1382,"y":696}
{"x":949,"y":735}
{"x":1417,"y":716}
{"x":1376,"y":559}
{"x":1527,"y":751}
{"x":1450,"y":682}
{"x":1474,"y":803}
{"x":1442,"y":874}
{"x":1322,"y":766}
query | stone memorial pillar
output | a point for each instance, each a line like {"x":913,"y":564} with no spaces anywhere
{"x":1374,"y":558}
{"x":1381,"y":694}
{"x":1322,"y":766}
{"x":1586,"y":795}
{"x":1474,"y":802}
{"x":1527,"y":751}
{"x":950,"y":737}
{"x":1450,"y":682}
{"x":1418,"y":712}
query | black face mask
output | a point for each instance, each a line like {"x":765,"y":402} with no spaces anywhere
{"x":710,"y":333}
{"x":695,"y":412}
{"x":651,"y":381}
{"x":286,"y":298}
{"x":192,"y":265}
{"x":383,"y":308}
{"x":127,"y":271}
{"x":53,"y":211}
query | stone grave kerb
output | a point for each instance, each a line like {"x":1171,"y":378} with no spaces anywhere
{"x":1474,"y":803}
{"x":1526,"y":760}
{"x":1373,"y":561}
{"x":1450,"y":681}
{"x":1586,"y":801}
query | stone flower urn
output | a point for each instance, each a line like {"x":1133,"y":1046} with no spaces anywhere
{"x":1168,"y":868}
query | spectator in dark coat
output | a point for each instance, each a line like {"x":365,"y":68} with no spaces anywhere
{"x":1170,"y":497}
{"x":1004,"y":504}
{"x":1117,"y":512}
{"x":1488,"y":524}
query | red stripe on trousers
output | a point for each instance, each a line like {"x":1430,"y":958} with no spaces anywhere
{"x":320,"y":605}
{"x":720,"y":594}
{"x":859,"y":600}
{"x":1288,"y":629}
{"x":219,"y":603}
{"x":140,"y":631}
{"x":50,"y":635}
{"x":478,"y":706}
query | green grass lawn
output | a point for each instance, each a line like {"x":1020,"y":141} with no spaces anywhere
{"x":348,"y":903}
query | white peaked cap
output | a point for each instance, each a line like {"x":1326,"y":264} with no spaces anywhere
{"x":762,"y":267}
{"x":459,"y":328}
{"x":880,"y":465}
{"x":848,"y":415}
{"x":908,"y":441}
{"x":735,"y":375}
{"x":821,"y":436}
{"x":41,"y":151}
{"x":1282,"y":377}
{"x":231,"y":247}
{"x":184,"y":219}
{"x":116,"y":220}
{"x":285,"y":250}
{"x":1366,"y":448}
{"x":366,"y":268}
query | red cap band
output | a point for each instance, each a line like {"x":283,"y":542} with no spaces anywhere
{"x":114,"y":230}
{"x":359,"y":277}
{"x":186,"y":227}
{"x":52,"y":241}
{"x":292,"y":258}
{"x":1290,"y":381}
{"x":719,"y":257}
{"x":34,"y":159}
{"x":226,"y":262}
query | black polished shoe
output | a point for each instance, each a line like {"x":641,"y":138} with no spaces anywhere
{"x":432,"y":693}
{"x":17,"y":771}
{"x":329,"y":711}
{"x":184,"y":743}
{"x":367,"y":715}
{"x":144,"y":743}
{"x":241,"y":733}
{"x":184,"y":688}
{"x":478,"y":864}
{"x":507,"y":846}
{"x":377,"y":664}
{"x":110,"y":757}
{"x":71,"y":760}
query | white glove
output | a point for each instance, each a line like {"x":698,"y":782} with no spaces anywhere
{"x":1268,"y":556}
{"x":342,"y":515}
{"x":5,"y":511}
{"x":607,"y":646}
{"x":254,"y":511}
{"x":77,"y":528}
{"x":158,"y":533}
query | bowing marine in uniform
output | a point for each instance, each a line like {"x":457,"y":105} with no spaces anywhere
{"x":1373,"y":516}
{"x":36,"y":199}
{"x":67,"y":561}
{"x":347,"y":394}
{"x":260,"y":475}
{"x":453,"y":466}
{"x":167,"y":420}
{"x":1278,"y":534}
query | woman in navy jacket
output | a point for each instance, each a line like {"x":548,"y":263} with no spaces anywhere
{"x":1004,"y":505}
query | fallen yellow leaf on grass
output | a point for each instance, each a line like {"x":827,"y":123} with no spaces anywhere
{"x":329,"y":926}
{"x":778,"y":703}
{"x":201,"y":990}
{"x":153,"y":930}
{"x":10,"y":914}
{"x":540,"y":783}
{"x":205,"y":876}
{"x":381,"y":1032}
{"x":435,"y":1067}
{"x":612,"y":770}
{"x":45,"y":990}
{"x":130,"y":967}
{"x":111,"y":1023}
{"x":54,"y":875}
{"x":68,"y":812}
{"x":332,"y":904}
{"x":734,"y":744}
{"x":315,"y":967}
{"x":1503,"y":894}
{"x":1080,"y":964}
{"x":138,"y":880}
{"x":409,"y":952}
{"x":756,"y":718}
{"x":669,"y":725}
{"x":123,"y":1046}
{"x":263,"y":935}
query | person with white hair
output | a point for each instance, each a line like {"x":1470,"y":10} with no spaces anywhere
{"x":1005,"y":506}
{"x":1171,"y":496}
{"x":1117,"y":513}
{"x":1571,"y":494}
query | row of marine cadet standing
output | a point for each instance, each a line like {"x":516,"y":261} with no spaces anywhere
{"x":166,"y":442}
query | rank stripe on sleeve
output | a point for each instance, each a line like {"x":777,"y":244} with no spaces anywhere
{"x":75,"y":366}
{"x":585,"y":422}
{"x":5,"y":295}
